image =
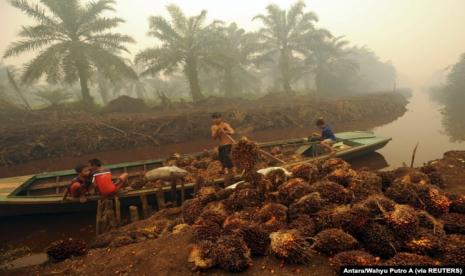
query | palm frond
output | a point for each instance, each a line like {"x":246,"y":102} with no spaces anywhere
{"x":93,"y":9}
{"x":111,"y":65}
{"x":41,"y":31}
{"x":98,"y":25}
{"x":178,"y":18}
{"x":34,"y":11}
{"x":47,"y":62}
{"x":155,"y":60}
{"x":68,"y":11}
{"x":162,"y":29}
{"x":111,"y":41}
{"x":294,"y":13}
{"x":21,"y":46}
{"x":199,"y":20}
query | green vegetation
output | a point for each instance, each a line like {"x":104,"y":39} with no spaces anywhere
{"x":74,"y":41}
{"x":452,"y":96}
{"x":289,"y":53}
{"x":186,"y":42}
{"x":285,"y":36}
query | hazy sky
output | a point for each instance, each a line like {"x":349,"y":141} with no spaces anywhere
{"x":420,"y":37}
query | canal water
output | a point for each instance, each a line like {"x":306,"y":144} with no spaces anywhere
{"x":422,"y":124}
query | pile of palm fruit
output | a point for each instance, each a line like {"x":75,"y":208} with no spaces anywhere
{"x":64,"y":249}
{"x":353,"y":217}
{"x":245,"y":154}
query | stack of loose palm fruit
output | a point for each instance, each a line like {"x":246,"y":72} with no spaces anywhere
{"x":400,"y":217}
{"x":64,"y":249}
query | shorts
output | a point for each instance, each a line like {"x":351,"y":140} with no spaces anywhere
{"x":224,"y":155}
{"x":329,"y":141}
{"x":77,"y":190}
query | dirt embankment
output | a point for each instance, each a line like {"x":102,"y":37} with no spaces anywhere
{"x":325,"y":216}
{"x":47,"y":134}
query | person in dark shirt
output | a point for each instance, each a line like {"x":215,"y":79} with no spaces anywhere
{"x":327,"y":136}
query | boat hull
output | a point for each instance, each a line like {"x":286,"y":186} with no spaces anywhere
{"x":16,"y":204}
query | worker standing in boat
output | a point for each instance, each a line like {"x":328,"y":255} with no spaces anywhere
{"x":78,"y":187}
{"x":222,"y":131}
{"x":327,"y":137}
{"x":102,"y":179}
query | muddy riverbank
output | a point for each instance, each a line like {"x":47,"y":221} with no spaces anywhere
{"x":259,"y":124}
{"x":53,"y":134}
{"x":421,"y":220}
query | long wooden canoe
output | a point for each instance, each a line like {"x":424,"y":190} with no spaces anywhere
{"x":42,"y":193}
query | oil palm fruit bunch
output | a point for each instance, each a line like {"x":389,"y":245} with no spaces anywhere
{"x":306,"y":171}
{"x":293,"y":189}
{"x":364,"y":184}
{"x":454,"y":223}
{"x":291,"y":246}
{"x":203,"y":255}
{"x":352,"y":258}
{"x":403,"y":221}
{"x":454,"y":248}
{"x":457,"y":204}
{"x":232,"y":253}
{"x":332,"y":241}
{"x":245,"y":154}
{"x":206,"y":229}
{"x":342,"y":176}
{"x":191,"y":210}
{"x":308,"y":204}
{"x":64,"y":249}
{"x":256,"y":239}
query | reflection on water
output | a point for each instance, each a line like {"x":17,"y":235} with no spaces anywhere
{"x":423,"y":124}
{"x":454,"y":119}
{"x":37,"y":232}
{"x":373,"y":160}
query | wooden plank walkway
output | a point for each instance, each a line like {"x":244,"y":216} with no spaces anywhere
{"x":8,"y":185}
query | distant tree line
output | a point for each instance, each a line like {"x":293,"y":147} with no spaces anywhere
{"x":289,"y":53}
{"x":452,"y":96}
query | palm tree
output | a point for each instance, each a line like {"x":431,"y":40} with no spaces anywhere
{"x":236,"y":54}
{"x":329,"y":58}
{"x":284,"y":34}
{"x":186,"y":43}
{"x":74,"y":40}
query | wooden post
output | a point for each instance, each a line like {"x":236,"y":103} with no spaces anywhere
{"x":57,"y":189}
{"x":174,"y":196}
{"x":98,"y":217}
{"x":134,"y":214}
{"x":145,"y":205}
{"x":160,"y":198}
{"x":198,"y":184}
{"x":183,"y":192}
{"x":118,"y":211}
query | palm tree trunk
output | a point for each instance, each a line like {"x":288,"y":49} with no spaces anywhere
{"x":285,"y":72}
{"x":318,"y":82}
{"x":192,"y":75}
{"x":228,"y":82}
{"x":83,"y":79}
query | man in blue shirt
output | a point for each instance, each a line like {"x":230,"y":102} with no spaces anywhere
{"x":327,"y":136}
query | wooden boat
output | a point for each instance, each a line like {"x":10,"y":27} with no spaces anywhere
{"x":42,"y":193}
